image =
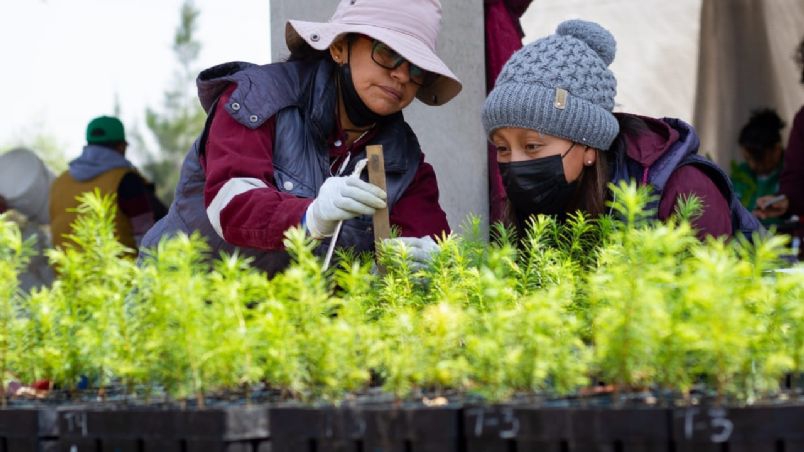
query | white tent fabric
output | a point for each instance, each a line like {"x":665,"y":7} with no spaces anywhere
{"x":25,"y":183}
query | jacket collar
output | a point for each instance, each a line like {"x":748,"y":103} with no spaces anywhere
{"x":95,"y":160}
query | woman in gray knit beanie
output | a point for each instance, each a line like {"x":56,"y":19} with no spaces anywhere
{"x":559,"y":144}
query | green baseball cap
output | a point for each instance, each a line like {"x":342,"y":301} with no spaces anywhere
{"x":105,"y":129}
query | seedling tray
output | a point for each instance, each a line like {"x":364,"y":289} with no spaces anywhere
{"x":370,"y":428}
{"x":148,"y":429}
{"x":505,"y":428}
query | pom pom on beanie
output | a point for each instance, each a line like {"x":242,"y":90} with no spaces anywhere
{"x":595,"y":36}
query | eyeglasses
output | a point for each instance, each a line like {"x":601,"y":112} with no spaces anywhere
{"x":389,"y":59}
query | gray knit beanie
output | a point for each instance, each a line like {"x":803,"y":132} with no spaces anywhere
{"x":559,"y":85}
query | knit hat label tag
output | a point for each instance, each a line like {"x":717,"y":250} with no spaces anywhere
{"x":561,"y":98}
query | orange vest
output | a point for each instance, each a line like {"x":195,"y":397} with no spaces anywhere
{"x":63,"y":201}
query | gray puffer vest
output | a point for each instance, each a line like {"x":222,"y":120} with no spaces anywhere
{"x":302,"y":96}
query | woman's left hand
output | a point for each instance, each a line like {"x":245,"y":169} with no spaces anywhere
{"x":420,"y":249}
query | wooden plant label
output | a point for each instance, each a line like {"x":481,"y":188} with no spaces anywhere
{"x":376,"y":171}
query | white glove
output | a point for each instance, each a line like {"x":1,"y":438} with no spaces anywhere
{"x":342,"y":198}
{"x":420,"y":249}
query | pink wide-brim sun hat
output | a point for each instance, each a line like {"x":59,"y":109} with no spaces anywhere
{"x":410,"y":27}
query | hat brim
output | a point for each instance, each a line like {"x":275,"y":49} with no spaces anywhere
{"x":320,"y":35}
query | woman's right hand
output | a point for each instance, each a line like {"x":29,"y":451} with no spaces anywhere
{"x":342,"y":198}
{"x":771,"y":206}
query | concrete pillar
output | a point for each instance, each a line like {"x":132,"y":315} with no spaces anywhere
{"x":451,"y":136}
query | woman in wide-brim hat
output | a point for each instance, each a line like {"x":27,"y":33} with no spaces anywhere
{"x":282,"y":140}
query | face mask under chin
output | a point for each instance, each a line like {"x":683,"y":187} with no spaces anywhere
{"x":358,"y":112}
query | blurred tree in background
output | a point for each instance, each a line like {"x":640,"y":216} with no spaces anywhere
{"x":181,"y":119}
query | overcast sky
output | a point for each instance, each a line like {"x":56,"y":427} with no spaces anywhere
{"x":65,"y":61}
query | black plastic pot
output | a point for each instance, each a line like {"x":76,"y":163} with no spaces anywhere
{"x":754,"y":429}
{"x":28,"y":429}
{"x":234,"y":429}
{"x":359,"y":429}
{"x":521,"y":428}
{"x":384,"y":428}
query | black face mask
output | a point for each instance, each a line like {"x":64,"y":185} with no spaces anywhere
{"x":357,"y":111}
{"x":538,"y":186}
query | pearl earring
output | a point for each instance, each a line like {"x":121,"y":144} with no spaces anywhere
{"x":589,"y":162}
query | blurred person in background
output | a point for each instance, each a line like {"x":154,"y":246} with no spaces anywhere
{"x":103,"y":165}
{"x":24,"y":187}
{"x":790,"y":198}
{"x":761,"y":147}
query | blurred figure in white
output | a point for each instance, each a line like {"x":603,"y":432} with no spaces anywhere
{"x":24,"y":190}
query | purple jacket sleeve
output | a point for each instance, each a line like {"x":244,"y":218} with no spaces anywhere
{"x":688,"y":180}
{"x":791,"y":182}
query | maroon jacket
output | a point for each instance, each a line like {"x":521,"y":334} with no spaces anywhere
{"x":503,"y":34}
{"x":687,"y":180}
{"x":503,"y":38}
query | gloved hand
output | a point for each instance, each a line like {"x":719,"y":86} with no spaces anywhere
{"x":420,"y":249}
{"x":341,"y":198}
